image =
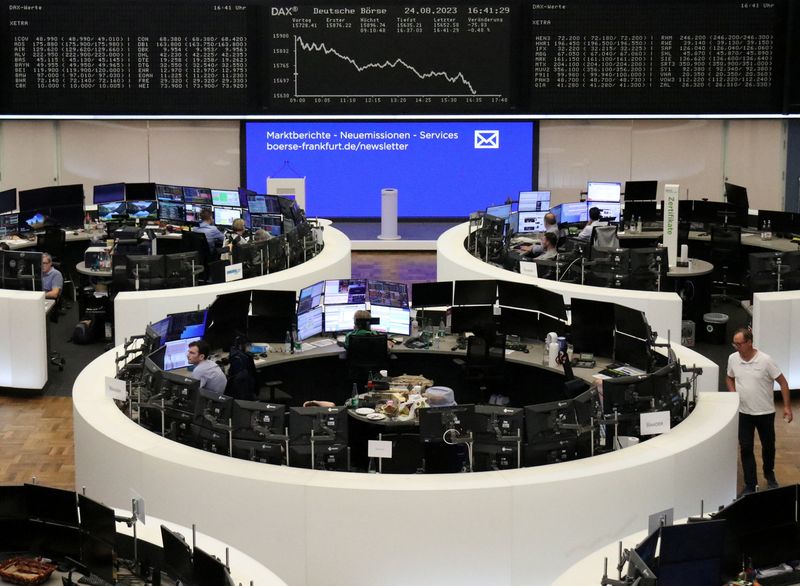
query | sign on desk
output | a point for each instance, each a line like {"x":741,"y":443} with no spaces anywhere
{"x":654,"y":423}
{"x":234,"y":272}
{"x":379,"y":449}
{"x":116,"y":389}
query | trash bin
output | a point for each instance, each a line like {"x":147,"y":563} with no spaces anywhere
{"x":716,"y":328}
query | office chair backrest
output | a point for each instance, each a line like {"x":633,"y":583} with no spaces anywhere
{"x":53,"y":241}
{"x":605,"y":236}
{"x":725,"y":239}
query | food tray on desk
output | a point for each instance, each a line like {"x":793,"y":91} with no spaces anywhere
{"x":20,"y":570}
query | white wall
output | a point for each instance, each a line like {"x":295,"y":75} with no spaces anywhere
{"x":697,"y":154}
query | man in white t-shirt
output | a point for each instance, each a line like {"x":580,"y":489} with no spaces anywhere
{"x":752,"y":374}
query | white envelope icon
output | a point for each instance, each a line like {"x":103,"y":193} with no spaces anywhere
{"x":487,"y":139}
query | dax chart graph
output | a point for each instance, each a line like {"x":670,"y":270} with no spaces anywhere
{"x":392,"y":57}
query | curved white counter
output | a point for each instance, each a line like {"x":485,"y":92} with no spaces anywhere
{"x":133,"y":310}
{"x":326,"y":528}
{"x":23,"y":343}
{"x":454,"y":263}
{"x":776,"y":330}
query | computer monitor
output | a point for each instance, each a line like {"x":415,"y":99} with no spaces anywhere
{"x":111,"y":212}
{"x":550,"y":303}
{"x":169,"y":193}
{"x":715,"y":212}
{"x":649,"y":260}
{"x":531,"y":221}
{"x":227,"y":318}
{"x":475,"y":292}
{"x":66,"y":216}
{"x":191,"y":212}
{"x":519,"y":322}
{"x":257,"y":421}
{"x":225,"y":216}
{"x":310,"y":323}
{"x":517,"y":295}
{"x":436,"y":422}
{"x":631,"y":321}
{"x":8,"y":200}
{"x":273,"y":314}
{"x":438,"y":294}
{"x":97,"y":520}
{"x":345,"y":291}
{"x":326,"y":423}
{"x":263,"y":204}
{"x":736,"y":195}
{"x":392,"y":320}
{"x":226,"y":197}
{"x":265,"y":452}
{"x":22,"y":270}
{"x":97,"y":557}
{"x":145,"y":271}
{"x":171,"y":212}
{"x":142,"y":210}
{"x":500,"y":211}
{"x":779,"y":222}
{"x":273,"y":224}
{"x":310,"y":297}
{"x":603,"y":191}
{"x":574,"y":212}
{"x":185,"y":325}
{"x":175,"y":356}
{"x":609,"y":211}
{"x":140,"y":191}
{"x":244,"y":193}
{"x":158,"y":332}
{"x":47,"y":197}
{"x":478,"y":319}
{"x":534,"y":201}
{"x":339,"y":318}
{"x":496,"y":422}
{"x":51,"y":505}
{"x":592,"y":326}
{"x":548,"y":419}
{"x":209,"y":571}
{"x":648,"y":211}
{"x":387,"y":293}
{"x":640,"y":190}
{"x":632,"y":350}
{"x":691,"y":554}
{"x":182,"y":268}
{"x":197,"y":195}
{"x":108,"y":193}
{"x":177,"y":556}
{"x":9,"y":224}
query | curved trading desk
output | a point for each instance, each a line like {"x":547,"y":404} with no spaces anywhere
{"x":133,"y":310}
{"x":454,"y":263}
{"x":522,"y":526}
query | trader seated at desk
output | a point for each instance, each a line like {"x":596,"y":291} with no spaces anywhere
{"x":546,"y":250}
{"x":213,"y":235}
{"x":361,"y":326}
{"x":206,"y":371}
{"x":551,"y":223}
{"x":594,"y":220}
{"x":238,"y":234}
{"x":52,"y":279}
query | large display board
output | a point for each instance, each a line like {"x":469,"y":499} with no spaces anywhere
{"x":429,"y":57}
{"x":439,"y":168}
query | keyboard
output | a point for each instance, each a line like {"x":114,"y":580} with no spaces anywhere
{"x":93,"y":580}
{"x":786,"y":579}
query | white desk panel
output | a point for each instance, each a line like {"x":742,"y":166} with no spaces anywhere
{"x":23,"y":343}
{"x":513,"y":527}
{"x":133,"y":310}
{"x":776,"y":330}
{"x":454,"y":263}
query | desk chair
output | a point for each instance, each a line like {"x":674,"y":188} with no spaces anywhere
{"x":726,"y":245}
{"x":197,"y":242}
{"x":605,"y":237}
{"x":278,"y":259}
{"x":483,"y":369}
{"x":53,"y":241}
{"x":365,"y":354}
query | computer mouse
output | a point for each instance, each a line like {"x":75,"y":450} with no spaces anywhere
{"x":75,"y":233}
{"x":263,"y":355}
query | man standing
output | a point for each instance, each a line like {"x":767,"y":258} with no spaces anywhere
{"x":752,"y":374}
{"x":207,"y":372}
{"x":52,"y":279}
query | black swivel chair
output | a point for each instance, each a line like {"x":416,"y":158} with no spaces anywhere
{"x":726,"y":246}
{"x":197,"y":242}
{"x":365,"y":354}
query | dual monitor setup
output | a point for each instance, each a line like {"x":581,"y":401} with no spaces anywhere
{"x":80,"y":534}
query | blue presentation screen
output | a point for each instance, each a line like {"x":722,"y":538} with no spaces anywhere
{"x":439,"y":168}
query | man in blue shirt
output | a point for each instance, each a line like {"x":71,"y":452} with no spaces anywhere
{"x":52,"y":279}
{"x":207,"y":372}
{"x":213,"y":235}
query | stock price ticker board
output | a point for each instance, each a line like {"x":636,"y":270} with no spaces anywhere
{"x":199,"y":57}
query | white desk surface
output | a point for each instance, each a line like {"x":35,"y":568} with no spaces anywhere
{"x":81,"y":268}
{"x":696,"y":268}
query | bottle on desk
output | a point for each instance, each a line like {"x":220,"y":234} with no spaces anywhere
{"x":287,"y":347}
{"x":638,"y":224}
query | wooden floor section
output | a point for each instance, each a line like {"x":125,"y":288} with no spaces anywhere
{"x":36,"y":437}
